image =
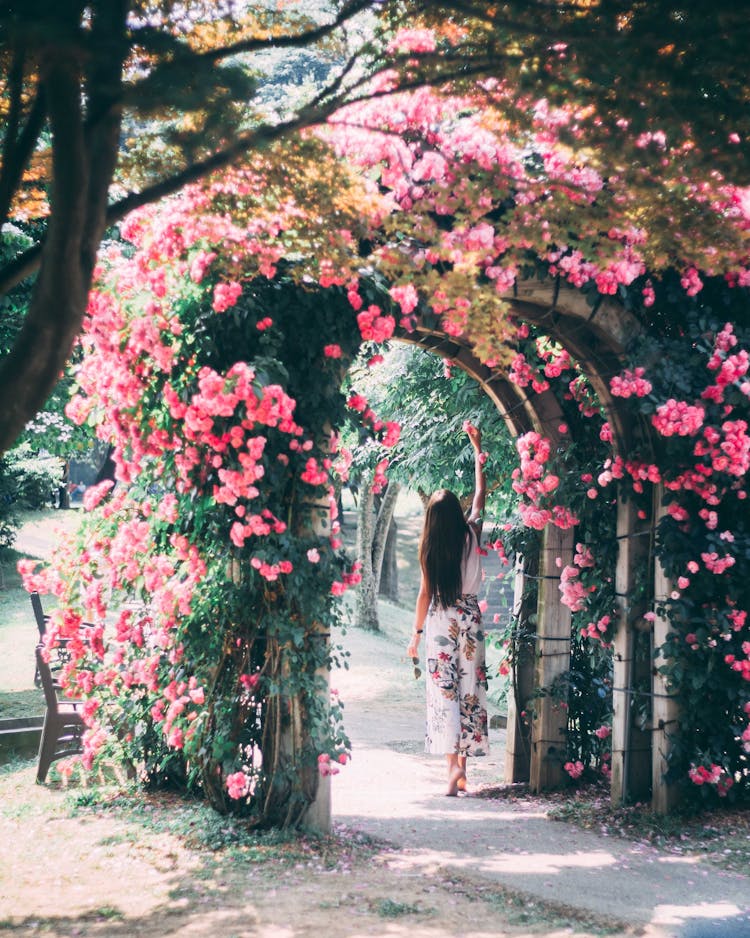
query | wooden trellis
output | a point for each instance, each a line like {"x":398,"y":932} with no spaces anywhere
{"x":597,"y":339}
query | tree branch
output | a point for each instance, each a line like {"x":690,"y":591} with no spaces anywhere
{"x":104,"y":86}
{"x":293,"y":40}
{"x":315,"y":113}
{"x":17,"y":149}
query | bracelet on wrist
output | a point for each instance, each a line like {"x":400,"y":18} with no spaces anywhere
{"x":418,"y":631}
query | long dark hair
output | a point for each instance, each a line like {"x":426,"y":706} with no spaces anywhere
{"x":441,"y":548}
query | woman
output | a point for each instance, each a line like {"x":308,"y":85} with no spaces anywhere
{"x":448,"y":615}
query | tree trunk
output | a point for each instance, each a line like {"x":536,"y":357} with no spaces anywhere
{"x":372,"y":536}
{"x":389,"y":573}
{"x":366,"y":615}
{"x":383,"y":527}
{"x":84,"y":154}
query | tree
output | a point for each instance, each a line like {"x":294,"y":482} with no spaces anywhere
{"x":374,"y":524}
{"x":666,"y":76}
{"x":79,"y":79}
{"x":429,"y":401}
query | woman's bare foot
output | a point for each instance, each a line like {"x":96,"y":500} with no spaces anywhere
{"x":456,"y":781}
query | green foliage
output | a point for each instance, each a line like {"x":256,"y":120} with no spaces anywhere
{"x":36,"y":478}
{"x":430,"y":399}
{"x":13,"y":240}
{"x":26,"y":481}
{"x":391,"y":908}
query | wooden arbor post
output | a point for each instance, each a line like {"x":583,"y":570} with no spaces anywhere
{"x":665,"y":710}
{"x":316,"y":518}
{"x":552,"y":660}
{"x":631,"y":745}
{"x":521,"y":684}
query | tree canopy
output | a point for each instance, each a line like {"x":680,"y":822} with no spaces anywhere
{"x":109,"y":106}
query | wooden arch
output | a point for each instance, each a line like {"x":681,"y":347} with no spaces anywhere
{"x":597,"y":337}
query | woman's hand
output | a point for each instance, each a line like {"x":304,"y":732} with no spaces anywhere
{"x":413,"y":648}
{"x":474,"y":434}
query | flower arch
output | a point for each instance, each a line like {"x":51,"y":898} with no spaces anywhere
{"x":214,"y":360}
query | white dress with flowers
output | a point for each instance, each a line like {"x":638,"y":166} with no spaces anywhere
{"x":455,"y":672}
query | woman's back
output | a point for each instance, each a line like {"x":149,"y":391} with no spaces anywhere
{"x":471,"y":566}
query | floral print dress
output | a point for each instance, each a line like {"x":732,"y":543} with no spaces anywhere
{"x":456,"y":675}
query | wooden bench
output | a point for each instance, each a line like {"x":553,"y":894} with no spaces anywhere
{"x":41,"y":624}
{"x":63,"y":724}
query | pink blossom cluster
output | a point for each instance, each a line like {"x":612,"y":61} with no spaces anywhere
{"x":691,"y":282}
{"x":572,"y":265}
{"x":407,"y":298}
{"x":380,"y":480}
{"x":678,"y":417}
{"x":715,"y":563}
{"x":373,"y":326}
{"x":580,"y":390}
{"x":226,"y":295}
{"x":259,"y":525}
{"x":271,"y":571}
{"x":713,"y":775}
{"x":339,"y":587}
{"x":731,"y":369}
{"x":639,"y":472}
{"x":532,"y":481}
{"x":557,"y":361}
{"x":314,"y":473}
{"x":238,"y":785}
{"x":741,"y":665}
{"x":597,"y":630}
{"x":530,"y":478}
{"x":631,"y":383}
{"x":583,"y":556}
{"x":574,"y":769}
{"x":327,"y":766}
{"x":728,"y":449}
{"x":412,"y":40}
{"x":522,"y":375}
{"x":388,"y":432}
{"x":574,"y":593}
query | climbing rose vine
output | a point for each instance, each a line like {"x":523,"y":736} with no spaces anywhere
{"x":700,"y":453}
{"x":198,"y":597}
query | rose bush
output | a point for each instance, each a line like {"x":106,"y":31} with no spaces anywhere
{"x":210,"y":575}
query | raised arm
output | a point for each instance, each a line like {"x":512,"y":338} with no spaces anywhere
{"x":476,"y":516}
